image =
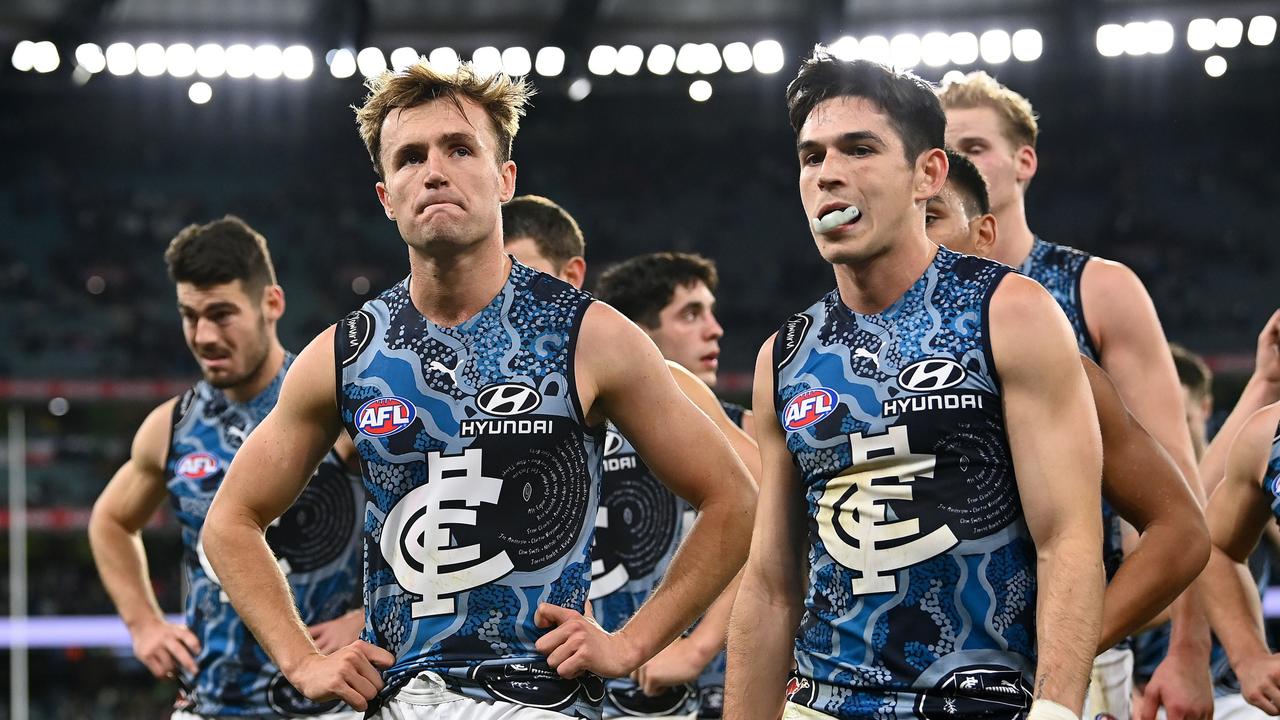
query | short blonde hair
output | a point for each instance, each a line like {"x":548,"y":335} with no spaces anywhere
{"x":979,"y":89}
{"x":503,"y":98}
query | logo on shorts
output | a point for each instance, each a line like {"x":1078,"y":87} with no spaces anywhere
{"x":507,"y":399}
{"x":799,"y":690}
{"x":808,"y":408}
{"x":385,"y":416}
{"x":197,"y":466}
{"x":931,"y":374}
{"x":973,"y":691}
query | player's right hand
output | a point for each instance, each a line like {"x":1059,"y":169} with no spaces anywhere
{"x":1260,"y":683}
{"x":349,"y":674}
{"x":164,"y":646}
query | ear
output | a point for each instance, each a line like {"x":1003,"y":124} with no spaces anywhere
{"x":507,"y":178}
{"x":574,"y":271}
{"x":272,"y":302}
{"x":1206,"y":404}
{"x":1025,"y":163}
{"x":384,"y":197}
{"x":930,"y":175}
{"x":985,"y":242}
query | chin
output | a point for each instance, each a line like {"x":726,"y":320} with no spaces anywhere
{"x":708,"y":377}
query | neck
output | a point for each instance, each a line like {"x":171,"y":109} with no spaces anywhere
{"x":253,"y":386}
{"x":1014,"y":239}
{"x":870,"y":287}
{"x":450,"y":288}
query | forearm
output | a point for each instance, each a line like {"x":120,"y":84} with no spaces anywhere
{"x":1234,"y":609}
{"x":122,"y":565}
{"x":708,"y":638}
{"x":1068,"y":615}
{"x":1161,"y":565}
{"x":761,"y":649}
{"x":251,"y":577}
{"x":707,"y":561}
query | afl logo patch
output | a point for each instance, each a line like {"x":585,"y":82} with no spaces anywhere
{"x":808,"y":408}
{"x":385,"y":416}
{"x":931,"y":374}
{"x":353,"y":335}
{"x":507,"y":399}
{"x":197,"y":466}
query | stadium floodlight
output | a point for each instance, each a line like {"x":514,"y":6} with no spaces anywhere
{"x":44,"y":57}
{"x":1159,"y":37}
{"x":874,"y":48}
{"x":1028,"y":45}
{"x":89,"y":56}
{"x":200,"y":92}
{"x":661,"y":59}
{"x":700,"y":90}
{"x":1230,"y":31}
{"x":211,"y":61}
{"x":1202,"y":34}
{"x":371,"y":62}
{"x":121,"y":59}
{"x":737,"y":57}
{"x":687,"y":58}
{"x":550,"y":61}
{"x":846,"y":48}
{"x":268,"y":62}
{"x":603,"y":60}
{"x":579,"y":89}
{"x":1262,"y":30}
{"x":964,"y":48}
{"x":768,"y":56}
{"x":24,"y":56}
{"x":904,"y":50}
{"x":516,"y":61}
{"x":1135,"y":38}
{"x":342,"y":63}
{"x":709,"y":62}
{"x":403,"y":57}
{"x":995,"y":46}
{"x":298,"y":63}
{"x":630,"y":60}
{"x":1111,"y":40}
{"x":150,"y":59}
{"x":444,"y":59}
{"x":1215,"y":65}
{"x":935,"y":49}
{"x":180,"y":60}
{"x":487,"y":61}
{"x":239,"y":61}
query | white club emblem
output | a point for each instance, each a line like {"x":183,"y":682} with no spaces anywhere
{"x":416,"y":541}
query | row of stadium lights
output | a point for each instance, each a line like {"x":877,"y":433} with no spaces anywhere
{"x":906,"y":50}
{"x":1203,"y":35}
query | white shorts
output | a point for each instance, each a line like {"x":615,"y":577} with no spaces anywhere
{"x":426,"y":698}
{"x":794,"y":711}
{"x":690,"y":716}
{"x":344,"y":715}
{"x":1110,"y":686}
{"x":1235,"y":707}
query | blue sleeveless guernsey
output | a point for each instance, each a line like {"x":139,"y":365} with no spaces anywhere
{"x":316,"y":542}
{"x":483,"y":481}
{"x":922,"y":573}
{"x":1271,"y":481}
{"x":639,"y":525}
{"x":1059,"y":269}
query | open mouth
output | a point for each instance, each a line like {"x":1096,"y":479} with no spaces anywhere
{"x":835,"y":216}
{"x":710,"y":359}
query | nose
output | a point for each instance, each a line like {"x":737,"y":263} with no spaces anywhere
{"x":829,"y":173}
{"x":435,"y":177}
{"x":205,"y":332}
{"x":713,"y":329}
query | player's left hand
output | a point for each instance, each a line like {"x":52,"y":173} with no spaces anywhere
{"x":338,"y":632}
{"x":577,"y":644}
{"x":1183,"y":689}
{"x":679,"y":663}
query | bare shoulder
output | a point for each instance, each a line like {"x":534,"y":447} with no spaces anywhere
{"x":603,"y":328}
{"x":1108,"y":281}
{"x":151,"y":442}
{"x":1018,"y":301}
{"x":1252,"y":446}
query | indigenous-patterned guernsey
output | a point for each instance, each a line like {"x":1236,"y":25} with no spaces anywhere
{"x":1271,"y":482}
{"x":1059,"y":269}
{"x":639,"y":525}
{"x":922,"y":574}
{"x":316,"y":541}
{"x":483,"y":481}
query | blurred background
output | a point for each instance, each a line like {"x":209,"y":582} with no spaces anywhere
{"x":658,"y":124}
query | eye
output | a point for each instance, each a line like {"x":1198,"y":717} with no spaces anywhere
{"x":411,"y":158}
{"x":811,"y":159}
{"x":861,"y":151}
{"x":929,"y":218}
{"x":462,"y":151}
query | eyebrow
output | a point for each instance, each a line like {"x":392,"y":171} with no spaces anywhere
{"x":844,"y":139}
{"x":213,"y":307}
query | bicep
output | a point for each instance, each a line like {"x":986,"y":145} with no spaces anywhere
{"x":138,"y":488}
{"x":1239,"y":508}
{"x":1050,"y":417}
{"x":278,"y":458}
